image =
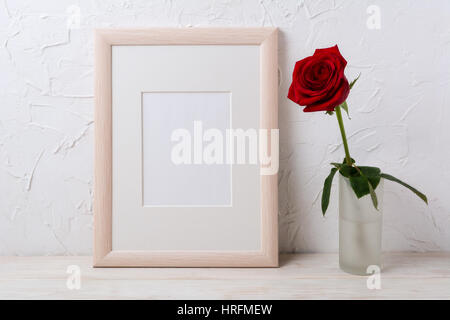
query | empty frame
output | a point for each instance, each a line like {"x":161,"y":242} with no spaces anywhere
{"x":185,"y":128}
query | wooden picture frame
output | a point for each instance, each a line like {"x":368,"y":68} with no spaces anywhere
{"x":105,"y":39}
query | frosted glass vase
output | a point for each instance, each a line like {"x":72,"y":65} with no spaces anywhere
{"x":360,"y":226}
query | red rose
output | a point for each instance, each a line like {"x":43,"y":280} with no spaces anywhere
{"x":318,"y":81}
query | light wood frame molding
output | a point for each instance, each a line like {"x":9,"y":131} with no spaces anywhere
{"x":104,"y":255}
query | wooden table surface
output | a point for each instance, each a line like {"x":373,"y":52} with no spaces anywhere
{"x":300,"y":276}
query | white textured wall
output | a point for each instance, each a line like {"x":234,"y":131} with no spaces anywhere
{"x":400,"y":113}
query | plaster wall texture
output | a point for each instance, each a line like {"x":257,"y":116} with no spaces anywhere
{"x":399,"y":109}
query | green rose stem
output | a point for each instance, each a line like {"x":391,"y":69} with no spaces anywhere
{"x":344,"y":138}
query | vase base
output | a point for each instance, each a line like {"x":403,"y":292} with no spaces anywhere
{"x":357,"y":271}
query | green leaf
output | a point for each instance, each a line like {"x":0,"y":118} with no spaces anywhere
{"x":373,"y":195}
{"x":363,"y":180}
{"x":354,"y":81}
{"x":337,"y":165}
{"x":370,"y":171}
{"x":344,"y":106}
{"x":327,"y":190}
{"x":348,"y":171}
{"x":351,"y":159}
{"x":372,"y":174}
{"x":359,"y":185}
{"x":329,"y":112}
{"x":417,"y":192}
